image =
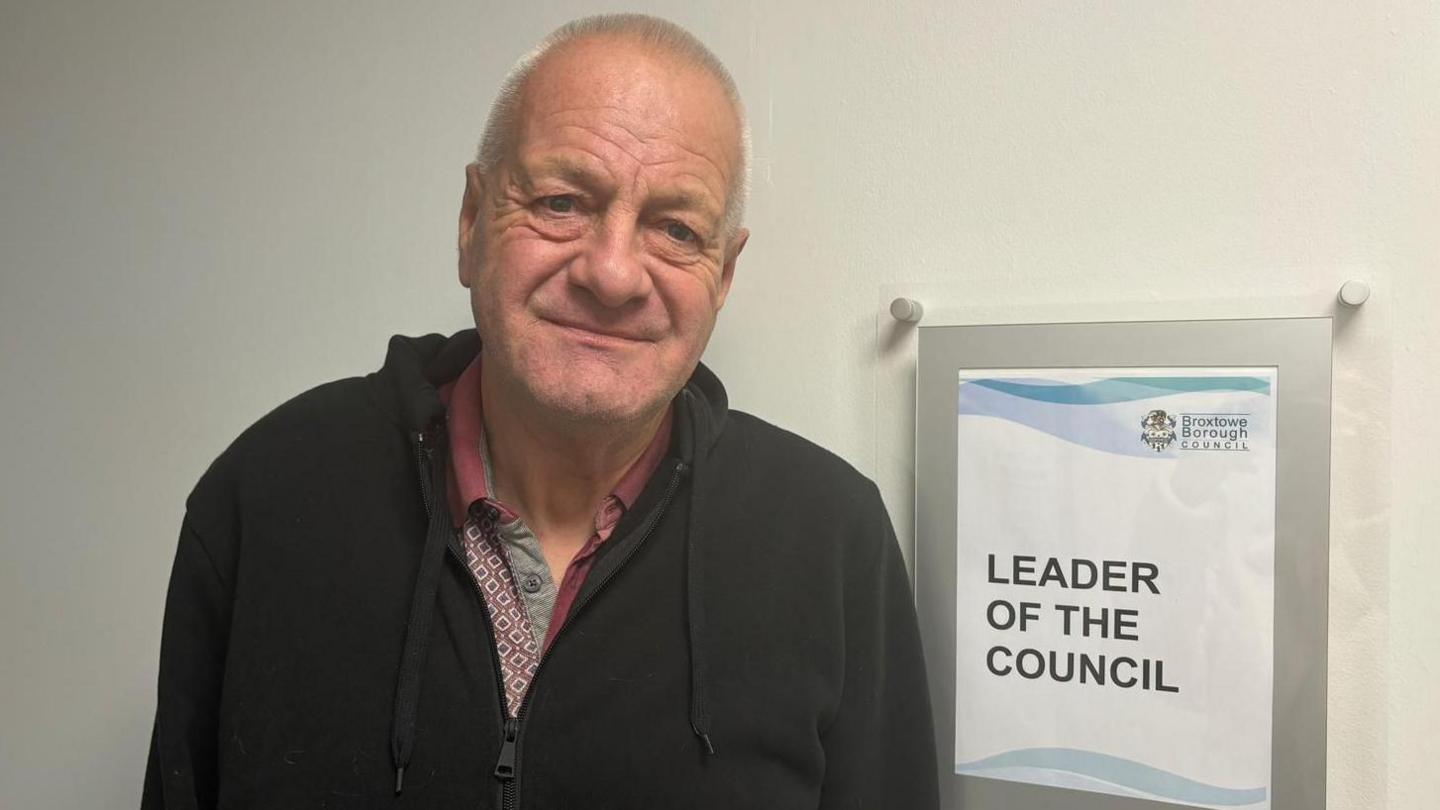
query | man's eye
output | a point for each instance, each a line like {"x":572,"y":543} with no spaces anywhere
{"x":559,"y":204}
{"x":679,"y":232}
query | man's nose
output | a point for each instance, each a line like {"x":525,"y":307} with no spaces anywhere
{"x":610,"y":267}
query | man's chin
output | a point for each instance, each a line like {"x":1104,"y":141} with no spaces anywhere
{"x":600,"y":406}
{"x":580,"y":390}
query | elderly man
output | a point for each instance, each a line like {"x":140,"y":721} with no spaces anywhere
{"x":541,"y":563}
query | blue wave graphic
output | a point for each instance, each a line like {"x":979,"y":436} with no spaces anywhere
{"x":1119,"y":389}
{"x":1119,"y":771}
{"x":1111,"y":430}
{"x":1107,"y":431}
{"x":1063,"y":779}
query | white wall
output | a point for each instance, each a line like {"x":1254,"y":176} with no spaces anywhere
{"x":206,"y":208}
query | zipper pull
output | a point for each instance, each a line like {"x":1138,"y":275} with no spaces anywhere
{"x":505,"y":768}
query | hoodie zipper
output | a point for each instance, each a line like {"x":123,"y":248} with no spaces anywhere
{"x":510,"y":728}
{"x":507,"y":767}
{"x":425,"y":456}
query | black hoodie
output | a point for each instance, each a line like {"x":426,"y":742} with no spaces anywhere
{"x":746,"y":638}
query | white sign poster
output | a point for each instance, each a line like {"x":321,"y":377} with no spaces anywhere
{"x":1115,"y":597}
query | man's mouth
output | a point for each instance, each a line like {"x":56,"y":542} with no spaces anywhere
{"x":597,"y":332}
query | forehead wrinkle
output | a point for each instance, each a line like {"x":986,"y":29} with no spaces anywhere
{"x":572,"y":170}
{"x":678,"y":144}
{"x":685,"y":171}
{"x":545,"y":125}
{"x":640,"y":129}
{"x":556,"y":140}
{"x":687,"y":154}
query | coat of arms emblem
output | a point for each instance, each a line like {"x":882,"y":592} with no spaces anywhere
{"x":1157,"y":430}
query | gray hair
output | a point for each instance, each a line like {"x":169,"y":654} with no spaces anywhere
{"x":501,"y":123}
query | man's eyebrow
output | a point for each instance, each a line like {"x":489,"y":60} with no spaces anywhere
{"x":682,"y":199}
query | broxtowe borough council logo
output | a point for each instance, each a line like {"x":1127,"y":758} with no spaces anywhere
{"x":1196,"y":431}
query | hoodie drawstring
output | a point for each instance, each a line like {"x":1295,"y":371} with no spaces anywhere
{"x":422,"y":608}
{"x":694,"y":598}
{"x":695,"y":621}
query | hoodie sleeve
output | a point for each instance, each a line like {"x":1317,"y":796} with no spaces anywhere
{"x":182,"y":766}
{"x":880,"y":749}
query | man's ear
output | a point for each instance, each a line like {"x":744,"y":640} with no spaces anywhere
{"x":470,"y":205}
{"x":727,"y":271}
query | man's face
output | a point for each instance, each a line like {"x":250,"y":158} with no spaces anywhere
{"x":593,"y":252}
